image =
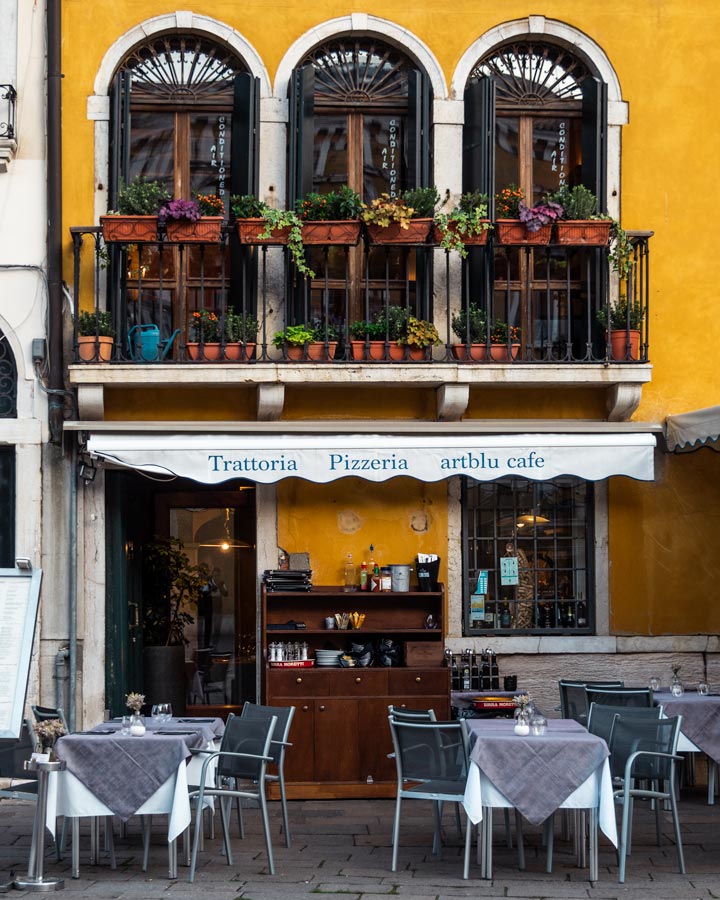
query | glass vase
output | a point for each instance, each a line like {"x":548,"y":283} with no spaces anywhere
{"x":522,"y":723}
{"x":137,"y":725}
{"x":676,"y":687}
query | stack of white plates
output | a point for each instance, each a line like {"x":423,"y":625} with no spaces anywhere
{"x":328,"y":657}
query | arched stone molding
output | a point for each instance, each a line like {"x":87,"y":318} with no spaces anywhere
{"x":537,"y":26}
{"x":361,"y":23}
{"x":98,"y":104}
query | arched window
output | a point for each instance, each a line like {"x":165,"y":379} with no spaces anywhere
{"x":8,"y":380}
{"x":360,"y":115}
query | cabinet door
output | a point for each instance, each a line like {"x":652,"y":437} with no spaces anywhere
{"x":300,"y":758}
{"x":422,"y":682}
{"x":375,"y":741}
{"x":336,"y":740}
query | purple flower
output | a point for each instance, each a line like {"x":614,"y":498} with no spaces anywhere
{"x":183,"y":210}
{"x":542,"y":214}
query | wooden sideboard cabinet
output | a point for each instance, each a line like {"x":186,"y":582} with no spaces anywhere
{"x":340,"y":734}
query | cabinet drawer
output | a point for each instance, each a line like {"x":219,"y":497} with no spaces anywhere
{"x":358,"y":682}
{"x":419,"y":681}
{"x":297,"y":683}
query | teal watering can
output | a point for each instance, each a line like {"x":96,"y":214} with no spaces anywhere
{"x":144,"y":344}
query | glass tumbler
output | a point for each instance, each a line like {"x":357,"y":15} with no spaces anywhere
{"x":654,"y":684}
{"x":703,"y":688}
{"x":538,"y":725}
{"x":125,"y":725}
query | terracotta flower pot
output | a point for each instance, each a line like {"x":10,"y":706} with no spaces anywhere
{"x":316,"y":351}
{"x":583,"y":232}
{"x":474,"y":352}
{"x":95,"y":349}
{"x":499,"y":352}
{"x":416,"y":233}
{"x":211,"y":351}
{"x":470,"y":240}
{"x":129,"y":229}
{"x":235,"y":352}
{"x":338,"y":233}
{"x":513,"y":231}
{"x":249,"y":231}
{"x":395,"y":352}
{"x":619,"y":341}
{"x":207,"y":230}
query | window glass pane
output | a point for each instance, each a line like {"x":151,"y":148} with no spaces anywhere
{"x":152,"y":146}
{"x":7,"y":507}
{"x":545,"y":528}
{"x":210,"y":154}
{"x":383,"y":164}
{"x":330,"y":153}
{"x":507,"y":152}
{"x":556,"y":154}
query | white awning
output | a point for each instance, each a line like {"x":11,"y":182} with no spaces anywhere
{"x":213,"y":459}
{"x":692,"y":430}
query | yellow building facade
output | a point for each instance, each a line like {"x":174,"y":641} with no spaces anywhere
{"x":649,"y":547}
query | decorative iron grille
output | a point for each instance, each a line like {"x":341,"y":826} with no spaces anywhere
{"x":8,"y":381}
{"x":364,"y":72}
{"x":8,"y":95}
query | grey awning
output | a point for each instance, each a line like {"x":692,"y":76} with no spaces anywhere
{"x":693,"y":430}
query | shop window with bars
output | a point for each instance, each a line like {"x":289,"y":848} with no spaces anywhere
{"x":527,"y":559}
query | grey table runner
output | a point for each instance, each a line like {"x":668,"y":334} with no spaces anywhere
{"x":122,"y":771}
{"x":206,"y":730}
{"x":536,"y":773}
{"x":701,"y":718}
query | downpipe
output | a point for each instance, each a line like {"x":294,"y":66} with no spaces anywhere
{"x":61,"y":677}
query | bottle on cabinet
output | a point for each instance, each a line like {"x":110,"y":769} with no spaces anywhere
{"x":350,"y":574}
{"x":363,"y":576}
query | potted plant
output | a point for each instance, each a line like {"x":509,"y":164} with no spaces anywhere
{"x":171,"y":589}
{"x":332,"y":218}
{"x":292,"y":341}
{"x":258,"y":223}
{"x":378,"y":338}
{"x":580,"y":224}
{"x":507,"y":214}
{"x":198,"y":221}
{"x":622,"y":322}
{"x":470,"y":325}
{"x":136,"y":218}
{"x":95,"y":336}
{"x":504,"y":341}
{"x":401,"y":220}
{"x":538,"y":220}
{"x":418,"y":336}
{"x":241,"y":330}
{"x":204,"y":335}
{"x":466,"y":224}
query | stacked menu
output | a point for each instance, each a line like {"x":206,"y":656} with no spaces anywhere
{"x":288,"y":579}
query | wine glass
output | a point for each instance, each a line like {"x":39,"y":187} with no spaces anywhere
{"x":155,"y":713}
{"x":165,"y":710}
{"x":654,"y":684}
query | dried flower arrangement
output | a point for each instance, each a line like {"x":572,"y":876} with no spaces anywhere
{"x":48,"y":731}
{"x":135,"y":701}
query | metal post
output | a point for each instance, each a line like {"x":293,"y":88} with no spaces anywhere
{"x":35,"y":880}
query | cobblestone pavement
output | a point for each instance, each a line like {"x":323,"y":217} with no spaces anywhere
{"x":342,"y":847}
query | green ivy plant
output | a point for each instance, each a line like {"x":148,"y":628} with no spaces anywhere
{"x":621,"y":251}
{"x":342,"y":204}
{"x":249,"y":207}
{"x":468,"y":218}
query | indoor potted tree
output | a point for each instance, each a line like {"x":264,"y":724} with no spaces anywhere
{"x":377,"y":339}
{"x":466,"y":224}
{"x":470,"y":325}
{"x":258,"y":223}
{"x":193,"y":221}
{"x":580,"y":224}
{"x":171,"y":589}
{"x":95,"y":336}
{"x":241,"y":330}
{"x":622,"y":321}
{"x":136,"y":219}
{"x":332,"y":218}
{"x":401,"y":220}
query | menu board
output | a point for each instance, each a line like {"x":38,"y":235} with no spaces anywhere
{"x":19,"y":596}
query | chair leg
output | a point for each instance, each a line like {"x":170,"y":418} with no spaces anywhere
{"x":75,"y":847}
{"x":712,"y":767}
{"x":549,"y":835}
{"x":225,"y":821}
{"x":146,"y":825}
{"x":396,"y":833}
{"x":468,"y":845}
{"x":283,"y":802}
{"x":624,"y":832}
{"x":241,"y":824}
{"x":437,"y":837}
{"x":676,"y":827}
{"x":110,"y":841}
{"x":593,"y":841}
{"x":198,"y":830}
{"x":486,"y":869}
{"x":266,"y":827}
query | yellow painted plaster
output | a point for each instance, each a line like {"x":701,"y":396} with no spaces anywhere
{"x":189,"y":404}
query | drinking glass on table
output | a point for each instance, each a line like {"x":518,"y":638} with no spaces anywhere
{"x":654,"y":684}
{"x":125,"y":725}
{"x":703,"y":688}
{"x":156,"y":716}
{"x":165,"y":711}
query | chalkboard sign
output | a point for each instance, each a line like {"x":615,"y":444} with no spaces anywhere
{"x":19,"y":596}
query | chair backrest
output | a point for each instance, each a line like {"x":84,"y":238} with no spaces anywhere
{"x":283,"y":715}
{"x":403,"y":714}
{"x":634,"y":697}
{"x":246,"y":735}
{"x":425,"y":751}
{"x":14,"y":752}
{"x":631,"y":733}
{"x":601,"y":718}
{"x":573,"y":700}
{"x":43,"y":713}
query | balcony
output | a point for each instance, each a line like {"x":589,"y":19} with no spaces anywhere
{"x":551,"y":300}
{"x":8,"y":138}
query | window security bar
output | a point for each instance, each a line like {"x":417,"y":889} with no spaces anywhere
{"x":8,"y":95}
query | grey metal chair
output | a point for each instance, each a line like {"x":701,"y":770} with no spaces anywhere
{"x":645,"y":750}
{"x":573,"y":699}
{"x":44,"y":713}
{"x":626,"y":697}
{"x":284,"y":716}
{"x":601,"y":718}
{"x":403,"y":714}
{"x":13,"y":754}
{"x":242,"y":762}
{"x":432,"y":764}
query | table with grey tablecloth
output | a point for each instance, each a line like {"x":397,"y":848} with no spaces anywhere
{"x":208,"y":730}
{"x":700,"y":718}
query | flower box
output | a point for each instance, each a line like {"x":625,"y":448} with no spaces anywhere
{"x":395,"y":352}
{"x":249,"y":231}
{"x":206,"y":230}
{"x":337,"y":232}
{"x":514,"y":232}
{"x":470,"y":240}
{"x":416,"y":233}
{"x":479,"y":352}
{"x":587,"y":232}
{"x":129,"y":229}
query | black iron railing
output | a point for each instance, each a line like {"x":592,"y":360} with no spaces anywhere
{"x":8,"y":95}
{"x":186,"y":302}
